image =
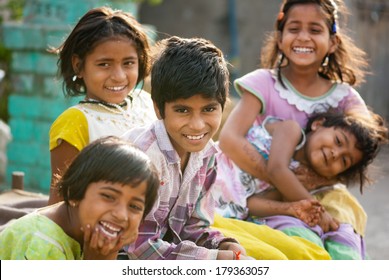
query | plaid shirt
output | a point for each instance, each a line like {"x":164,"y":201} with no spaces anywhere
{"x":178,"y":225}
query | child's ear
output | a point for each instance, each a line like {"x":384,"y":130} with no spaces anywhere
{"x":76,"y":64}
{"x":333,"y":44}
{"x":157,"y":112}
{"x":279,"y":40}
{"x":317,"y":123}
{"x":73,"y":203}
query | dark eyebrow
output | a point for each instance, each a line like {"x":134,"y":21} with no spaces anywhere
{"x":344,"y":137}
{"x":104,"y":58}
{"x":179,"y":106}
{"x":293,"y":22}
{"x":140,"y":199}
{"x":109,"y":188}
{"x":210,"y":104}
{"x":213,"y":103}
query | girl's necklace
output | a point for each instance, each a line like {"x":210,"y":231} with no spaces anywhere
{"x":111,"y":107}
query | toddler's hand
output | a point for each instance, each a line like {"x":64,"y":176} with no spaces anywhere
{"x":328,"y":223}
{"x":307,"y":210}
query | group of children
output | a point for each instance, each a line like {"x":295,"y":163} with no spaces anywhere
{"x":138,"y":176}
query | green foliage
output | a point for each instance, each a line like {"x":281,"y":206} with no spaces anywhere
{"x":5,"y":60}
{"x":151,"y":2}
{"x":15,"y":7}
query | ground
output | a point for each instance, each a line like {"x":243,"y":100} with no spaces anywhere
{"x":375,"y":201}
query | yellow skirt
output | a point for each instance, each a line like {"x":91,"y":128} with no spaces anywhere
{"x":264,"y":243}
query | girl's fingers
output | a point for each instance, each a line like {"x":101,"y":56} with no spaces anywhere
{"x":87,"y":233}
{"x":94,"y":238}
{"x":99,"y":244}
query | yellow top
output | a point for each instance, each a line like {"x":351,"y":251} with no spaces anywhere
{"x":85,"y":122}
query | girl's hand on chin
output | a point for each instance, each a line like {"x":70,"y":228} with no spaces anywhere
{"x":98,"y":246}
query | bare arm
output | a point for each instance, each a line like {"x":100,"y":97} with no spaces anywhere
{"x":307,"y":210}
{"x":60,"y":158}
{"x":232,"y":138}
{"x":286,"y":136}
{"x":233,"y":142}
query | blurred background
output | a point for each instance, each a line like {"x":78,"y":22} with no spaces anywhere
{"x":31,"y":97}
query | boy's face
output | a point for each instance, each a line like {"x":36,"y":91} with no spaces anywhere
{"x":191,"y":122}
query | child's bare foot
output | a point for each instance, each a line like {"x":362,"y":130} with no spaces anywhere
{"x":307,"y":210}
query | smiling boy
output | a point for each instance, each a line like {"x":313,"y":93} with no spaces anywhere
{"x":189,"y":82}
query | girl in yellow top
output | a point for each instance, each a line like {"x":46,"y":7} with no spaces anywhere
{"x":104,"y":58}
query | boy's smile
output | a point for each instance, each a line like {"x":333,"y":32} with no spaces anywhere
{"x":191,"y":123}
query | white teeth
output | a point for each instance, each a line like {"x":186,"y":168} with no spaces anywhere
{"x":192,"y":137}
{"x":109,"y":229}
{"x":116,"y":88}
{"x":302,"y":50}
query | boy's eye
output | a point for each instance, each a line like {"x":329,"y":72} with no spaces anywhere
{"x":107,"y":196}
{"x":209,"y":109}
{"x":103,"y":64}
{"x":337,"y":141}
{"x":181,"y":110}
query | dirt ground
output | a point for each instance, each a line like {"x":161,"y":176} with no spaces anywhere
{"x":375,"y":201}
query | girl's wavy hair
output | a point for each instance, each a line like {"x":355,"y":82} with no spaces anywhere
{"x":96,"y":26}
{"x":347,"y":64}
{"x":370,"y":131}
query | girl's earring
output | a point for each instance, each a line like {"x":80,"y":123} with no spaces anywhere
{"x":73,"y":203}
{"x":325,"y":61}
{"x":74,"y":78}
{"x":282,"y":60}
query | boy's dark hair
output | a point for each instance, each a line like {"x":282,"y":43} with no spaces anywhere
{"x":370,"y":131}
{"x":186,"y":67}
{"x":112,"y":160}
{"x":96,"y":26}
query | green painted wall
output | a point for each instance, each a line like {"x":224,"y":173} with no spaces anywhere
{"x":36,"y":99}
